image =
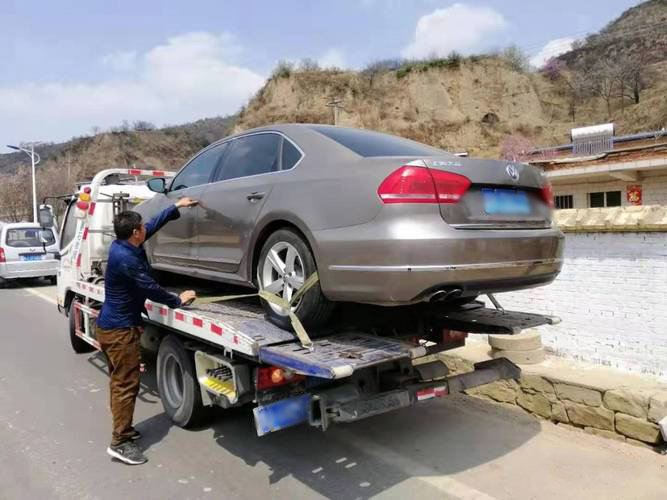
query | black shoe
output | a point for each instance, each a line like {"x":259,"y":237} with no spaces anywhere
{"x":135,"y":435}
{"x":127,"y":452}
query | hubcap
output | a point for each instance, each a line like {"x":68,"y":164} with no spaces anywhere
{"x":173,"y":376}
{"x":282,"y":273}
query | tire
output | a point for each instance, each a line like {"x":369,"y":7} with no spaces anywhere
{"x":177,"y":383}
{"x":79,"y":345}
{"x":313,"y":309}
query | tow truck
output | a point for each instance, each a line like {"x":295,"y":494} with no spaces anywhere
{"x":369,"y":361}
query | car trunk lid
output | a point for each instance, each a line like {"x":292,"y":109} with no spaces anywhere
{"x":502,"y":195}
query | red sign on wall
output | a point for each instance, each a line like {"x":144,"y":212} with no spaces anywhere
{"x":634,"y":194}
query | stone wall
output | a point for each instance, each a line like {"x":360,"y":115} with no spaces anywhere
{"x":612,"y":407}
{"x":612,"y":292}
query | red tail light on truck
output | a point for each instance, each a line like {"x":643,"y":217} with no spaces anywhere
{"x":272,"y":376}
{"x":547,"y":194}
{"x":411,"y":184}
{"x":3,"y":259}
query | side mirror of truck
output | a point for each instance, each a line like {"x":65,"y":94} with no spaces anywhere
{"x":45,"y":216}
{"x":157,"y":185}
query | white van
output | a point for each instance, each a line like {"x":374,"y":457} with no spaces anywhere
{"x":28,"y":251}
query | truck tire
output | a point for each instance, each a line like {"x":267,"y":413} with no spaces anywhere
{"x":313,"y":309}
{"x":79,"y":345}
{"x":177,"y":383}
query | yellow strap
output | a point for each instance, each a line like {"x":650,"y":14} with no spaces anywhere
{"x":280,"y":302}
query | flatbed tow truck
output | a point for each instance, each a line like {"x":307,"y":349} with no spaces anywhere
{"x":369,"y":361}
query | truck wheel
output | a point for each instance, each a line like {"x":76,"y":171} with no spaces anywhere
{"x":285,"y":262}
{"x":177,"y":383}
{"x":79,"y":345}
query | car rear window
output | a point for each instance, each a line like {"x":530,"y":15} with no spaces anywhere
{"x":369,"y":143}
{"x":21,"y":237}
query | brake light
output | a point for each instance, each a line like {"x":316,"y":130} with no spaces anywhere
{"x":272,"y":376}
{"x":450,"y":187}
{"x":547,"y":194}
{"x":2,"y":255}
{"x":411,"y":184}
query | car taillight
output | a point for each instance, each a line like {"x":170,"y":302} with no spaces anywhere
{"x":272,"y":376}
{"x":2,"y":255}
{"x":547,"y":194}
{"x":411,"y":184}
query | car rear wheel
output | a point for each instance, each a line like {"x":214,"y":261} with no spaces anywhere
{"x":284,"y":264}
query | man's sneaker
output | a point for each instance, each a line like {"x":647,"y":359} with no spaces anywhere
{"x":127,"y":452}
{"x":135,"y":435}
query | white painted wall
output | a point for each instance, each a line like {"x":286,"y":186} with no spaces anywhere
{"x":612,"y":298}
{"x":654,"y":190}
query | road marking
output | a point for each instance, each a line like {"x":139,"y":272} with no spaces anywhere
{"x":41,"y":295}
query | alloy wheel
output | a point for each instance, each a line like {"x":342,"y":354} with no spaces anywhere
{"x":282,"y":273}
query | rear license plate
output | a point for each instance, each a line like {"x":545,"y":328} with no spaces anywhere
{"x":505,"y":202}
{"x":282,"y":414}
{"x":31,"y":257}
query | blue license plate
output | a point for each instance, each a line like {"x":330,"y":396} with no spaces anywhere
{"x":282,"y":414}
{"x":505,"y":202}
{"x":31,"y":257}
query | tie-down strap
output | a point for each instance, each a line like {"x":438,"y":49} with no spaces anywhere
{"x":278,"y":301}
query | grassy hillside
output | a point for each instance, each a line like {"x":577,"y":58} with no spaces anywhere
{"x":471,"y":105}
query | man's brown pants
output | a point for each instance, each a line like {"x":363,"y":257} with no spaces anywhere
{"x":121,"y":346}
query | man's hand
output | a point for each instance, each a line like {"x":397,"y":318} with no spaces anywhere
{"x":187,"y":297}
{"x":186,"y":202}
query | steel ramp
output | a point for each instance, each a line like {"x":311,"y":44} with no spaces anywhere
{"x":338,"y":356}
{"x":485,"y":320}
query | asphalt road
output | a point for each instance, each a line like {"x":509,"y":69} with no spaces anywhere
{"x":55,"y":426}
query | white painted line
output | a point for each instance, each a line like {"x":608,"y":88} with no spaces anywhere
{"x":41,"y":295}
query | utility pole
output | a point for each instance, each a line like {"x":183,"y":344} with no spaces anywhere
{"x":336,"y":104}
{"x":31,"y":153}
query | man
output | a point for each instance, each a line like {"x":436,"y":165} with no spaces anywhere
{"x":127,"y":285}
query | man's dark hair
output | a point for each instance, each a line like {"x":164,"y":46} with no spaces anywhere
{"x":126,"y":222}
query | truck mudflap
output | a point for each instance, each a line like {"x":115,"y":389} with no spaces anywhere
{"x":346,"y":403}
{"x":338,"y":356}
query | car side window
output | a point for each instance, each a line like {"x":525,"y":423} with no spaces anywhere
{"x":199,"y":170}
{"x":251,"y":155}
{"x":291,"y":155}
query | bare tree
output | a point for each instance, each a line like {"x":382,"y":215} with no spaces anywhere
{"x":633,"y":77}
{"x":553,"y":68}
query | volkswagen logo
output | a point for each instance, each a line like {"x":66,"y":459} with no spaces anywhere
{"x":513,"y":172}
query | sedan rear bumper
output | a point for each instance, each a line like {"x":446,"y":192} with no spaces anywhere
{"x":29,"y":269}
{"x":371,"y":264}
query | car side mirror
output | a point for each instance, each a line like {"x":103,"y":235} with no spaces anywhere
{"x":157,"y":185}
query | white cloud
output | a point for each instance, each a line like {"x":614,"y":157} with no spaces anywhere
{"x":463,"y":28}
{"x":120,"y":61}
{"x":332,"y":58}
{"x":553,"y":48}
{"x":189,"y":77}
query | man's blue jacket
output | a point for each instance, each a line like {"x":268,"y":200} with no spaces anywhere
{"x":127,"y":282}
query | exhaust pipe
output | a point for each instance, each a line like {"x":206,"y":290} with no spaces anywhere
{"x":445,"y":295}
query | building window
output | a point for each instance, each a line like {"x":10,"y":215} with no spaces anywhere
{"x":604,"y":199}
{"x":564,"y":201}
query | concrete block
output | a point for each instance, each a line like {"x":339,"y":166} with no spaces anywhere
{"x":578,"y":394}
{"x":637,"y":428}
{"x":531,"y":357}
{"x":589,"y":416}
{"x":524,"y":341}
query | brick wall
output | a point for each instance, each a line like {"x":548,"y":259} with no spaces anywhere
{"x":612,"y":298}
{"x":654,"y":190}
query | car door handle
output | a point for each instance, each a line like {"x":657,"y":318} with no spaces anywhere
{"x":255,"y":196}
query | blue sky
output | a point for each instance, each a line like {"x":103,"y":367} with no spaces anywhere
{"x":70,"y":65}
